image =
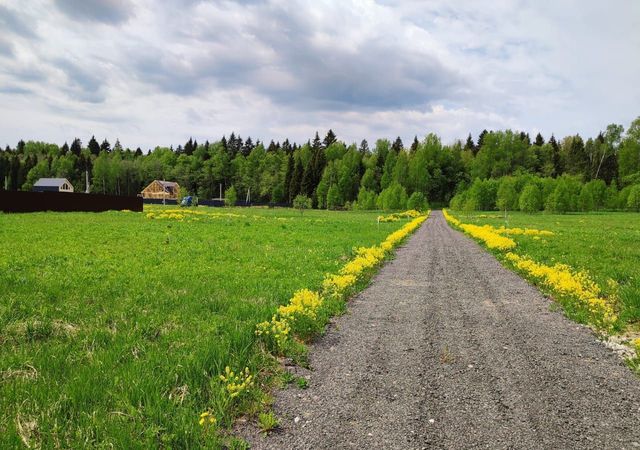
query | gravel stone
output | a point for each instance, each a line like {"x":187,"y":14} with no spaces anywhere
{"x":448,"y":349}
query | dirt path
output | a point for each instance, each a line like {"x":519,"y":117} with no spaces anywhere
{"x":447,"y":349}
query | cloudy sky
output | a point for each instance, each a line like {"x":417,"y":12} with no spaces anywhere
{"x":156,"y":72}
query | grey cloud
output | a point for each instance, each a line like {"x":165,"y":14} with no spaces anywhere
{"x":275,"y":40}
{"x":6,"y":47}
{"x":14,"y":90}
{"x":82,"y":85}
{"x":11,"y":21}
{"x":105,"y":11}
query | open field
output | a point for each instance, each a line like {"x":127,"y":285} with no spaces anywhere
{"x":113,"y":324}
{"x":606,"y":245}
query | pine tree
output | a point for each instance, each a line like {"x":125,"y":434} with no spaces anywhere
{"x":286,"y":147}
{"x":470,"y":145}
{"x":364,"y":147}
{"x":272,"y":147}
{"x":414,"y":145}
{"x":188,"y":147}
{"x":94,"y":147}
{"x":296,"y":179}
{"x":20,"y":147}
{"x":248,"y":147}
{"x":539,"y":140}
{"x":556,"y":158}
{"x":105,"y":146}
{"x":64,"y":149}
{"x":288,"y":176}
{"x":329,"y":139}
{"x":480,"y":142}
{"x":117,"y":147}
{"x":397,"y":145}
{"x":76,"y":147}
{"x":138,"y":152}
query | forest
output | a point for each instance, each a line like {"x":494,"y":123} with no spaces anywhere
{"x":493,"y":171}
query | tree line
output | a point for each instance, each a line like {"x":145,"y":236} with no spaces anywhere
{"x":334,"y":174}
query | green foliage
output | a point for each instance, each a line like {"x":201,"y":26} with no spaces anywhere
{"x":530,"y":200}
{"x":367,"y":200}
{"x":333,"y":198}
{"x":393,"y":198}
{"x":230,"y":196}
{"x":507,"y":197}
{"x":633,"y":201}
{"x":418,"y":201}
{"x":268,"y":422}
{"x":586,"y":202}
{"x":301,"y":202}
{"x":560,"y":200}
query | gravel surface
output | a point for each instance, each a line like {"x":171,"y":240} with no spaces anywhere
{"x":448,"y":349}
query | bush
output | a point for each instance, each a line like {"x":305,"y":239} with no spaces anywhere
{"x":586,"y":201}
{"x":418,"y":201}
{"x":393,"y":197}
{"x":230,"y":196}
{"x":366,"y":200}
{"x":457,"y":202}
{"x":333,"y":197}
{"x":560,"y":201}
{"x":301,"y":202}
{"x":530,"y":200}
{"x":507,"y":196}
{"x":633,"y":201}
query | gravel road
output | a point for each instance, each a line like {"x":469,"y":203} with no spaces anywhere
{"x":448,"y":349}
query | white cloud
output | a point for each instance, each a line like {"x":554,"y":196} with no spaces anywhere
{"x":156,"y":73}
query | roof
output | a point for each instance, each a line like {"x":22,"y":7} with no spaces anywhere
{"x":167,"y":184}
{"x":57,"y":182}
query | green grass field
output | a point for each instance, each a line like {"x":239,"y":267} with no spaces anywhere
{"x":607,"y":245}
{"x":113,"y":324}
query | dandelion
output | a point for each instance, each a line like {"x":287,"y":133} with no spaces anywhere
{"x":207,"y":419}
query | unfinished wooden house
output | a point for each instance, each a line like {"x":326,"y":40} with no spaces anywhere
{"x":168,"y":190}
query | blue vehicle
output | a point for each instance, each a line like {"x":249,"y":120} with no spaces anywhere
{"x":187,"y":201}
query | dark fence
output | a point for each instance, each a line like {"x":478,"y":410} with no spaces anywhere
{"x":216,"y":203}
{"x":24,"y":201}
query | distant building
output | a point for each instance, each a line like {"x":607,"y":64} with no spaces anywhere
{"x":161,"y":189}
{"x":53,"y":185}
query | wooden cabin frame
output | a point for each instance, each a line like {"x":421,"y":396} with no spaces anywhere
{"x":160,"y":189}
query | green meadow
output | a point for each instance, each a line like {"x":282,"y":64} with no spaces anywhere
{"x":606,"y":245}
{"x":113,"y":325}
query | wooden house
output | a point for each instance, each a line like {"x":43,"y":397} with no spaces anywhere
{"x":168,"y":190}
{"x":52,"y":185}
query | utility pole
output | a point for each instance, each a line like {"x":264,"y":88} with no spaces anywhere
{"x":86,"y":181}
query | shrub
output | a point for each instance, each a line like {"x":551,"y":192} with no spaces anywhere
{"x":366,"y":200}
{"x":393,"y":197}
{"x":560,"y":200}
{"x":586,"y":201}
{"x":633,"y":201}
{"x":530,"y":200}
{"x":418,"y":201}
{"x":333,"y":197}
{"x":230,"y":196}
{"x":507,"y":196}
{"x":301,"y":202}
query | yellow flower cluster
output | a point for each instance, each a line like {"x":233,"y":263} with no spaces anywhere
{"x":207,"y":419}
{"x":336,"y":285}
{"x":278,"y":329}
{"x":236,"y":384}
{"x":303,"y":306}
{"x":303,"y":303}
{"x":569,"y":283}
{"x":394,"y":238}
{"x":485,"y":233}
{"x":165,"y":215}
{"x":636,"y":344}
{"x":410,"y":214}
{"x":523,"y":231}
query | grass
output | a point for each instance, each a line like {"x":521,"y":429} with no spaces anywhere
{"x":606,"y":245}
{"x":113,"y":327}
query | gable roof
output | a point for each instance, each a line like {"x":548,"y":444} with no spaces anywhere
{"x":55,"y":182}
{"x":167,"y":184}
